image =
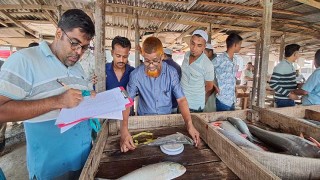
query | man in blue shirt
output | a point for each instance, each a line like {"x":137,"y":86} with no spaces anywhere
{"x":225,"y":71}
{"x":168,"y":59}
{"x":311,"y":89}
{"x":155,"y":82}
{"x":118,"y":71}
{"x":29,"y":92}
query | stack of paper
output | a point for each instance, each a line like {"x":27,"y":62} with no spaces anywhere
{"x":107,"y":104}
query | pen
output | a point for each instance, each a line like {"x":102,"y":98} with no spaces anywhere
{"x":62,"y":84}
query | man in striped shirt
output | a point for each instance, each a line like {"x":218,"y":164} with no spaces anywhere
{"x":283,"y":79}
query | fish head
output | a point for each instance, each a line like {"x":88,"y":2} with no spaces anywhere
{"x":174,"y":170}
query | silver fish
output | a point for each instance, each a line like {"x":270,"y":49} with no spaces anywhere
{"x":295,"y":145}
{"x":177,"y":138}
{"x":309,"y":121}
{"x":239,"y":140}
{"x":287,"y":166}
{"x":226,"y":125}
{"x":242,"y":126}
{"x":158,"y":171}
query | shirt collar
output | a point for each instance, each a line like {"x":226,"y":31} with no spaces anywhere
{"x":46,"y":49}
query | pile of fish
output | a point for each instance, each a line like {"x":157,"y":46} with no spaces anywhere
{"x":309,"y":121}
{"x":285,"y":166}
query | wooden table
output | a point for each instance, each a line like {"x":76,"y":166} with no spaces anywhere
{"x":201,"y":162}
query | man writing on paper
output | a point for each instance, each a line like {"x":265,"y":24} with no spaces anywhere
{"x":29,"y":92}
{"x":155,"y":82}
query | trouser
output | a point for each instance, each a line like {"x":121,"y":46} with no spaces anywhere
{"x":222,"y":107}
{"x":3,"y":127}
{"x":284,"y":102}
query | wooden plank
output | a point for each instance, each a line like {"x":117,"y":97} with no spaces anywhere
{"x":99,"y":45}
{"x":265,"y":45}
{"x":287,"y":124}
{"x":312,"y":3}
{"x":256,"y":70}
{"x":313,"y":115}
{"x":282,"y":44}
{"x":244,"y":166}
{"x":92,"y":163}
{"x":216,"y":116}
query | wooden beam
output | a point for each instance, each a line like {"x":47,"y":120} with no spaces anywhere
{"x":266,"y":32}
{"x":19,"y":24}
{"x":162,"y":26}
{"x":256,"y":71}
{"x":190,"y":4}
{"x":137,"y":40}
{"x":312,"y":3}
{"x":257,"y":8}
{"x":3,"y":23}
{"x":282,"y":45}
{"x":187,"y":32}
{"x":99,"y":45}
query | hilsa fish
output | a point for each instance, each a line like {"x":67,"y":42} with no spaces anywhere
{"x":158,"y":171}
{"x":242,"y":126}
{"x":176,"y":138}
{"x":295,"y":145}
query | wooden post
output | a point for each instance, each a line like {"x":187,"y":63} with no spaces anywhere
{"x":99,"y":45}
{"x":256,"y":70}
{"x":59,"y":9}
{"x":209,"y":33}
{"x":136,"y":40}
{"x":282,"y":44}
{"x":265,"y":46}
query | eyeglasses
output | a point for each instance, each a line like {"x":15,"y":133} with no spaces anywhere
{"x":75,"y":45}
{"x":147,"y":63}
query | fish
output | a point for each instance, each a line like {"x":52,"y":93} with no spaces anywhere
{"x":176,"y":138}
{"x":294,"y":145}
{"x":287,"y":166}
{"x":242,"y":126}
{"x":158,"y":171}
{"x":309,"y":121}
{"x":226,"y":125}
{"x":238,"y":139}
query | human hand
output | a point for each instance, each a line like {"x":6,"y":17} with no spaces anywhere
{"x":194,"y":134}
{"x":94,"y":79}
{"x":126,"y":142}
{"x":293,"y":96}
{"x":70,"y":98}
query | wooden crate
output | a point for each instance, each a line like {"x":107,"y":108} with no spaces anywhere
{"x":205,"y":164}
{"x":289,"y":119}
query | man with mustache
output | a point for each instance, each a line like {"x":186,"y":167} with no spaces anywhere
{"x":155,"y":82}
{"x":31,"y":91}
{"x":197,"y":72}
{"x":118,"y":71}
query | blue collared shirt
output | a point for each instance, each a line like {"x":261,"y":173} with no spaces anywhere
{"x":31,"y":74}
{"x":172,"y":63}
{"x":193,"y":79}
{"x":312,"y":86}
{"x":225,"y":71}
{"x":155,"y":94}
{"x":112,"y":80}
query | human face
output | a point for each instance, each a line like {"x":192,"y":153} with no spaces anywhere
{"x":152,"y":63}
{"x":237,"y":46}
{"x":197,"y":46}
{"x":71,"y":45}
{"x":296,"y":55}
{"x":120,"y":56}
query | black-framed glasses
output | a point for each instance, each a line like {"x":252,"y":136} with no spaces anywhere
{"x":76,"y":45}
{"x":147,"y":63}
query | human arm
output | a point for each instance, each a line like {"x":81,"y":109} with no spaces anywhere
{"x":185,"y":112}
{"x":18,"y":110}
{"x":126,"y":142}
{"x":209,"y":88}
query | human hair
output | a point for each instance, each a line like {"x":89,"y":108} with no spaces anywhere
{"x":33,"y":44}
{"x":233,"y":39}
{"x":151,"y":45}
{"x":76,"y":18}
{"x":290,"y":49}
{"x":209,"y":50}
{"x":317,"y":57}
{"x":122,"y":41}
{"x":249,"y":63}
{"x":168,"y":55}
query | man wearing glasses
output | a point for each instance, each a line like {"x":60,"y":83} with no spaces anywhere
{"x":30,"y":92}
{"x":155,"y":82}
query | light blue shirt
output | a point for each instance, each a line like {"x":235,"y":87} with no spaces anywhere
{"x":312,"y":86}
{"x":193,"y":79}
{"x":225,"y":70}
{"x":31,"y":74}
{"x":155,"y":94}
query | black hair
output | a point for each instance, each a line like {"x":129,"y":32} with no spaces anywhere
{"x":33,"y":44}
{"x":168,"y":55}
{"x":290,"y":49}
{"x":249,"y":63}
{"x":76,"y":18}
{"x":233,"y":39}
{"x":208,"y":50}
{"x":122,"y":41}
{"x":317,"y":57}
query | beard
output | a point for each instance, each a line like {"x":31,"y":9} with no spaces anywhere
{"x":155,"y":73}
